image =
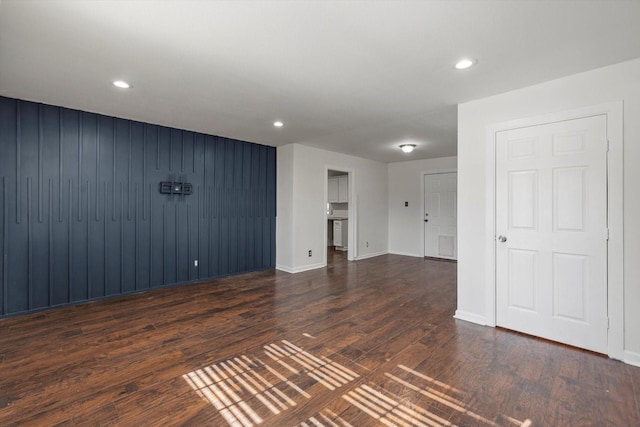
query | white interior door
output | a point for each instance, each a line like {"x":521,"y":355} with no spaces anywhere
{"x":551,"y":226}
{"x":440,"y":215}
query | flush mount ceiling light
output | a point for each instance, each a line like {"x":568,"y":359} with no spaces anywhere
{"x":121,"y":84}
{"x":278,"y":124}
{"x":407,"y":148}
{"x":465,"y":63}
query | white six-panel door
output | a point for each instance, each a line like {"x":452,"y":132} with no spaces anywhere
{"x":440,"y":215}
{"x":551,"y":231}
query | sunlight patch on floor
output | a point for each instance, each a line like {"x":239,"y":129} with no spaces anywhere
{"x":439,"y":393}
{"x":396,"y":404}
{"x":245,"y":390}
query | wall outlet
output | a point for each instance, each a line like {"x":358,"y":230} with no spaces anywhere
{"x":195,"y":263}
{"x":310,"y":253}
{"x":367,"y":244}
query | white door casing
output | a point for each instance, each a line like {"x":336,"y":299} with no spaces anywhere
{"x":551,"y":227}
{"x":440,"y":215}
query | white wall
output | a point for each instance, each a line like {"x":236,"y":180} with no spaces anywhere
{"x":284,"y":204}
{"x":620,"y":82}
{"x":406,"y":184}
{"x":301,"y":190}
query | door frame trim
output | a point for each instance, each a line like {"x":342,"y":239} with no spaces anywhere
{"x":424,"y":201}
{"x":615,"y":181}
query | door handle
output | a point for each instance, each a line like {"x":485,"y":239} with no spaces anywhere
{"x":426,"y":220}
{"x":502,"y":239}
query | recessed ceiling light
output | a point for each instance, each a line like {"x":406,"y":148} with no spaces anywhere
{"x":278,"y":124}
{"x":465,"y":63}
{"x":407,"y":148}
{"x":121,"y":84}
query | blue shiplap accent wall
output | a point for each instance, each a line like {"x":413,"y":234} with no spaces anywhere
{"x":82,"y":217}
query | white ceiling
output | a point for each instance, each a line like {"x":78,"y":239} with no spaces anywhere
{"x":356,"y":77}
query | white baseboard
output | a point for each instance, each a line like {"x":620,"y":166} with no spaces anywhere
{"x":294,"y":270}
{"x":632,"y":358}
{"x":284,"y":268}
{"x":470,"y":317}
{"x":405,"y":254}
{"x":365,"y":256}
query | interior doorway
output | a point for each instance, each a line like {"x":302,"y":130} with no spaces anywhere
{"x":440,"y":215}
{"x":338,"y":216}
{"x":613,"y":152}
{"x":551,"y":221}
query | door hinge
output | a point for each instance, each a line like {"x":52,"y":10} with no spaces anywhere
{"x":607,"y":234}
{"x":608,"y":323}
{"x":608,"y":145}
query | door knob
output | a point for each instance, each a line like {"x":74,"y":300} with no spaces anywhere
{"x":502,"y":239}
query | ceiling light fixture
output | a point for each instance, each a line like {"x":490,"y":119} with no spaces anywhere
{"x":121,"y":84}
{"x":465,"y":63}
{"x":278,"y":124}
{"x":407,"y":148}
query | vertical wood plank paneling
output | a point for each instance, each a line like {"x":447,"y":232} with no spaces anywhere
{"x":176,"y":242}
{"x":121,"y":225}
{"x":144,"y":171}
{"x":29,"y":247}
{"x":50,"y":224}
{"x":80,"y":155}
{"x":170,"y":150}
{"x":113,"y":169}
{"x":198,"y":233}
{"x":18,"y":151}
{"x":80,"y":200}
{"x":129,"y":174}
{"x":194,"y":143}
{"x":60,"y":163}
{"x":150,"y":241}
{"x":164,"y":244}
{"x":3,"y":258}
{"x":183,"y":157}
{"x":89,"y":264}
{"x":70,"y":244}
{"x":211,"y":262}
{"x":97,"y":168}
{"x":5,"y":246}
{"x":105,"y":248}
{"x":189,"y":257}
{"x":157,"y":148}
{"x":40,"y":137}
{"x":136,"y":259}
{"x":209,"y":150}
{"x":205,"y":182}
{"x":225,"y":247}
{"x":89,"y":219}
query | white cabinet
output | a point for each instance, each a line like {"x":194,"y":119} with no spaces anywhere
{"x":332,"y":191}
{"x":338,"y":189}
{"x":343,"y":189}
{"x":340,"y":237}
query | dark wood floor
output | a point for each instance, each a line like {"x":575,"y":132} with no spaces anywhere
{"x":356,"y":344}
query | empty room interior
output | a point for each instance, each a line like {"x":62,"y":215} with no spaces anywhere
{"x":319,"y":213}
